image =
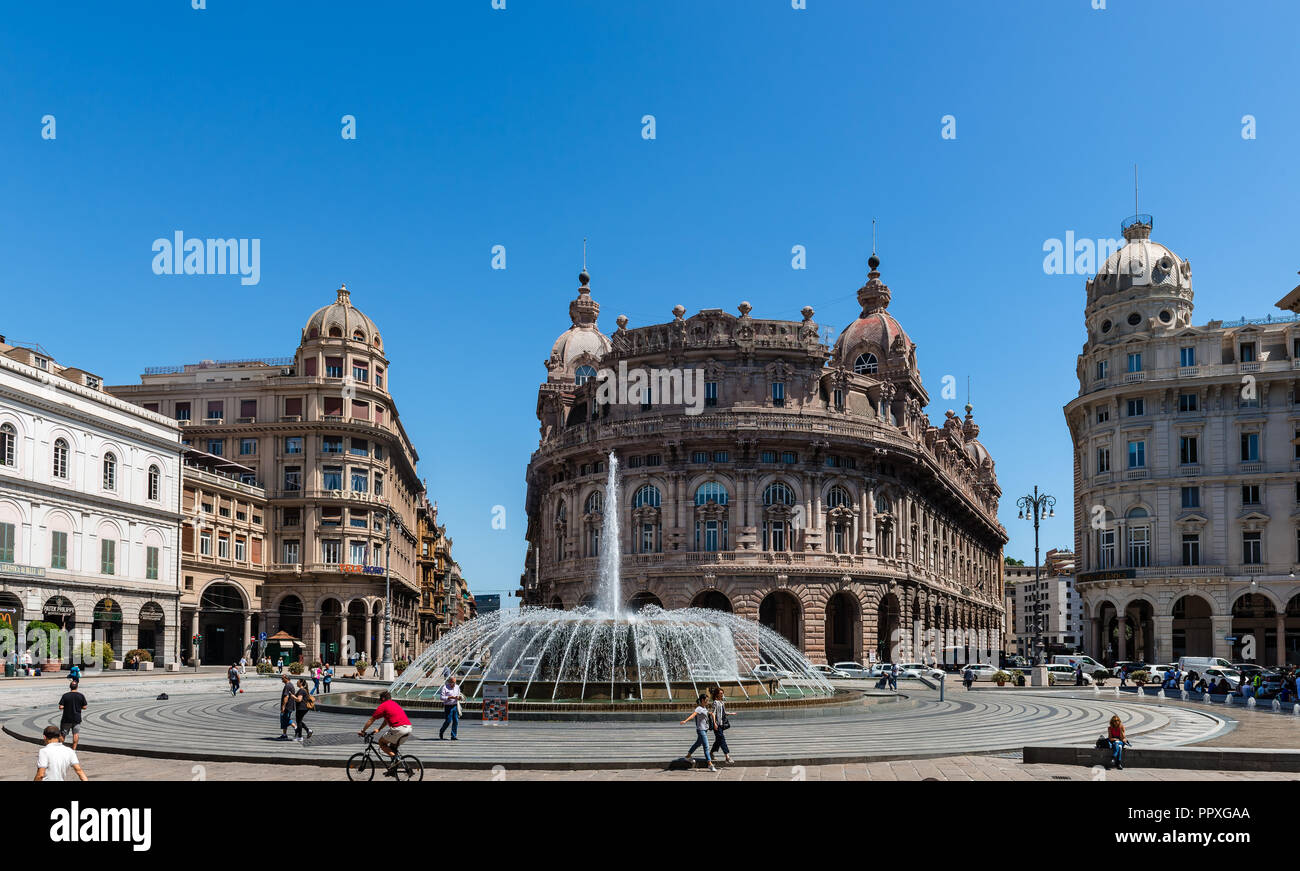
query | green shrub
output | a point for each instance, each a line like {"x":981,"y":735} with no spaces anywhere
{"x":90,"y":651}
{"x":295,"y":668}
{"x":140,"y":655}
{"x":55,"y":648}
{"x":1001,"y":677}
{"x":265,"y":668}
{"x":1140,"y":677}
{"x":400,"y":665}
{"x":1100,"y":676}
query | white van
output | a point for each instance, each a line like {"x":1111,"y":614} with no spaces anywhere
{"x":1200,"y":663}
{"x":1089,"y":664}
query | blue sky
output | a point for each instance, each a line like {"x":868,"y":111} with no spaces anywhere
{"x":775,"y":127}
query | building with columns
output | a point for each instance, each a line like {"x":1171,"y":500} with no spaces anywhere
{"x":89,"y":506}
{"x":811,"y":492}
{"x":306,"y":457}
{"x":1186,"y":469}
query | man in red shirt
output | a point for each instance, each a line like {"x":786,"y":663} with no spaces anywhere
{"x":399,"y":725}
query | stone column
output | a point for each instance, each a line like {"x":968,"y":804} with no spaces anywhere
{"x":1093,"y":646}
{"x":1221,"y":627}
{"x":248,"y":632}
{"x":313,"y":643}
{"x":1164,"y":639}
{"x":370,"y":630}
{"x":343,"y":636}
{"x":867,"y":524}
{"x":1281,"y":638}
{"x":1121,"y":643}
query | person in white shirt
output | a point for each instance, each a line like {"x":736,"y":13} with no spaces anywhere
{"x":55,"y":758}
{"x":451,"y":696}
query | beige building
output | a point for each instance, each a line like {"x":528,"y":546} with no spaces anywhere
{"x":1187,"y":469}
{"x":443,"y":591}
{"x":1046,"y":608}
{"x":326,"y":458}
{"x":811,"y":492}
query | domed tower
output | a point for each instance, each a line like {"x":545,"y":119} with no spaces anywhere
{"x":582,"y":345}
{"x":876,"y":346}
{"x":1141,"y":288}
{"x":339,"y":341}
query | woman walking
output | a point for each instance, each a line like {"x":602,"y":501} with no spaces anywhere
{"x":233,"y":676}
{"x":721,"y":723}
{"x":702,"y":716}
{"x":302,"y":703}
{"x":1115,"y":735}
{"x":315,"y":678}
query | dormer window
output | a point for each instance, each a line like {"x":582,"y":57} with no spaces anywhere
{"x":583,"y":375}
{"x":866,"y":364}
{"x":358,"y":336}
{"x":1248,"y":352}
{"x":40,"y":362}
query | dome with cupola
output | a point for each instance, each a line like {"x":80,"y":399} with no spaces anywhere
{"x":875,"y":343}
{"x":1143,"y":287}
{"x":342,"y":320}
{"x":582,"y":344}
{"x":1141,"y":263}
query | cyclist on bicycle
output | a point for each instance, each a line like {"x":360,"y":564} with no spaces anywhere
{"x":399,"y":725}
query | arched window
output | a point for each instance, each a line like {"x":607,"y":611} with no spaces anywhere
{"x":646,"y":497}
{"x":155,"y":483}
{"x":561,"y":531}
{"x":8,"y":445}
{"x":583,"y":375}
{"x":839,"y":520}
{"x":778,"y":493}
{"x":838,"y":497}
{"x":711,"y":491}
{"x":593,"y":508}
{"x":595,"y":503}
{"x":883,"y":505}
{"x":110,"y":472}
{"x":866,"y":364}
{"x":358,"y":335}
{"x":336,"y":333}
{"x":60,"y":459}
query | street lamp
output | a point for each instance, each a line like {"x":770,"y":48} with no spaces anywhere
{"x":1037,"y":507}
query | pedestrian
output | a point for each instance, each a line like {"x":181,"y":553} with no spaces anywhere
{"x":287,"y":704}
{"x":375,"y":666}
{"x":55,"y":758}
{"x":1078,"y":674}
{"x":892,"y":671}
{"x":327,"y":676}
{"x":703,"y":718}
{"x":1116,"y":738}
{"x":71,"y":704}
{"x":721,"y":723}
{"x":315,"y":679}
{"x":243,"y":664}
{"x":1123,"y":676}
{"x":75,"y":673}
{"x":302,"y":703}
{"x":233,"y":676}
{"x":451,"y":696}
{"x":968,"y":677}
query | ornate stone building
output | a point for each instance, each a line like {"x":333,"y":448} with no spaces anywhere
{"x":443,"y":591}
{"x":811,"y":492}
{"x":323,"y":445}
{"x":1186,"y":469}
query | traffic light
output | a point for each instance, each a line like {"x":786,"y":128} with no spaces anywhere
{"x":198,"y":639}
{"x":334,"y":648}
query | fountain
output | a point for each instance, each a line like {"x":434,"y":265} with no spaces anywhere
{"x":611,"y":655}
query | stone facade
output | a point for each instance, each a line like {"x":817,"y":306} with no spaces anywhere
{"x":811,"y":492}
{"x":443,"y":591}
{"x":321,"y":437}
{"x":1052,"y":599}
{"x":89,"y":499}
{"x":1186,"y":469}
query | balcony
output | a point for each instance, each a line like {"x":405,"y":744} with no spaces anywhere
{"x":1134,"y":377}
{"x":245,"y":420}
{"x":1189,"y":470}
{"x":1137,"y":474}
{"x":1248,"y":367}
{"x":213,"y":421}
{"x":1188,"y":371}
{"x":1251,"y":468}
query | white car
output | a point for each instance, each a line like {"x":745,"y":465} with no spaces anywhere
{"x":983,"y":671}
{"x":830,"y":672}
{"x":919,"y":669}
{"x":853,"y":669}
{"x":1233,"y":677}
{"x":767,"y":671}
{"x":1064,"y":676}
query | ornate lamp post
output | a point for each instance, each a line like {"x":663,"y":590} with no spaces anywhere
{"x":1037,"y":507}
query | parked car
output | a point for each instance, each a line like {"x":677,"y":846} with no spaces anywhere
{"x":832,"y":672}
{"x":853,"y":669}
{"x":768,"y":671}
{"x":1231,"y":675}
{"x":469,"y":668}
{"x":1064,"y":674}
{"x":1130,"y":665}
{"x":1089,"y":664}
{"x":1013,"y":662}
{"x":919,"y":669}
{"x":1249,"y":669}
{"x":983,"y":671}
{"x":878,"y":669}
{"x":1159,"y":672}
{"x":1271,"y":686}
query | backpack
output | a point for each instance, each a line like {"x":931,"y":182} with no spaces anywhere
{"x":162,"y":697}
{"x":1103,"y":743}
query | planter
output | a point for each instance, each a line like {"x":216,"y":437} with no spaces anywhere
{"x":1001,"y":683}
{"x":51,"y":665}
{"x":115,"y":665}
{"x":146,"y":666}
{"x":173,"y":666}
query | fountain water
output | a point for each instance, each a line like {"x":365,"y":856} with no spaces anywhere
{"x":608,"y":654}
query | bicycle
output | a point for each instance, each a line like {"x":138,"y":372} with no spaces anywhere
{"x":361,"y":766}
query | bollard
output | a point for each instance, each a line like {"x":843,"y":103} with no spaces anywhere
{"x":1250,"y":702}
{"x":1296,"y":710}
{"x":1184,"y":695}
{"x":1277,"y":706}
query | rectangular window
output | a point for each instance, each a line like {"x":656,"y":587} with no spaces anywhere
{"x":778,"y":394}
{"x":721,"y":456}
{"x":360,"y":448}
{"x":292,"y":478}
{"x":182,"y":411}
{"x":1137,"y":407}
{"x":359,"y":519}
{"x":703,"y":456}
{"x":1191,"y":550}
{"x":151,"y":563}
{"x":1188,"y":450}
{"x":108,"y":557}
{"x":247,"y":446}
{"x":837,"y":398}
{"x":332,"y":477}
{"x":1250,"y":548}
{"x":1135,"y":362}
{"x":333,"y":367}
{"x":216,"y":409}
{"x":1191,"y":497}
{"x":293,"y":445}
{"x":710,"y":394}
{"x":1103,"y":413}
{"x":1139,"y":547}
{"x":357,"y":553}
{"x":360,"y":410}
{"x":293,"y":407}
{"x":291,"y":516}
{"x":1106,"y":549}
{"x":1296,"y":443}
{"x":1248,"y":352}
{"x":634,"y":462}
{"x":379,"y":378}
{"x":1187,"y":402}
{"x":379,"y":483}
{"x":1103,"y":460}
{"x":654,"y":460}
{"x":216,"y":447}
{"x":58,"y":550}
{"x":240,"y":549}
{"x":223,"y":547}
{"x":1103,"y":369}
{"x":1186,"y":356}
{"x":379,"y":451}
{"x":248,"y":408}
{"x":360,"y":371}
{"x":1137,"y":455}
{"x":330,"y":551}
{"x":768,"y":457}
{"x":331,"y":444}
{"x":291,"y":552}
{"x":789,"y":457}
{"x":360,"y":481}
{"x":7,"y":542}
{"x":1250,"y":447}
{"x":333,"y":406}
{"x":1250,"y":494}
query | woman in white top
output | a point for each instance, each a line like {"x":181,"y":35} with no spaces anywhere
{"x":703,"y":717}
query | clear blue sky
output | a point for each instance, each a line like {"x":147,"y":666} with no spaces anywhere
{"x":522,"y":128}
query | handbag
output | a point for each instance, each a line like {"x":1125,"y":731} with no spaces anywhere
{"x":1103,"y":743}
{"x":726,"y":720}
{"x":311,"y":702}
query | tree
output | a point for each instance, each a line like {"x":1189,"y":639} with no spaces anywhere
{"x":1012,"y":561}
